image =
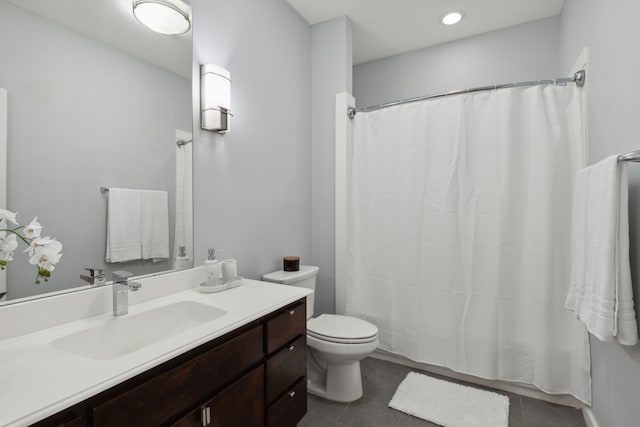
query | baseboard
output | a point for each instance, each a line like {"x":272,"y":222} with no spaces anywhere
{"x":511,"y":387}
{"x":589,"y":417}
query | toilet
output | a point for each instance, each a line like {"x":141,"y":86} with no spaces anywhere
{"x":335,"y":344}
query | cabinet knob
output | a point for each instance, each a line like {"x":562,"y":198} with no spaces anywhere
{"x":292,"y":347}
{"x":291,"y":393}
{"x":292,"y":312}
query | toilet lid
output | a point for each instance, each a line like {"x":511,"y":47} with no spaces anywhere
{"x":342,"y":329}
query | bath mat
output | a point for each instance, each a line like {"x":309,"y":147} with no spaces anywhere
{"x":449,"y":404}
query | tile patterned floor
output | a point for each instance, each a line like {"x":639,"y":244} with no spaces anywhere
{"x":372,"y":409}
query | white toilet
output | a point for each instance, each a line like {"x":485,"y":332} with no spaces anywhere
{"x":336,"y":344}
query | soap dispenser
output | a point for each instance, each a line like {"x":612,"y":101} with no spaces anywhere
{"x":182,"y":261}
{"x":212,"y":268}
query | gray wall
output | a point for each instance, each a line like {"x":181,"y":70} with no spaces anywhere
{"x":252,"y":186}
{"x":520,"y":53}
{"x":611,"y":32}
{"x":81,"y":115}
{"x":331,"y":73}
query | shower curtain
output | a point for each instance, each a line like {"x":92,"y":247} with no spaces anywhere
{"x":184,"y":198}
{"x":459,"y":233}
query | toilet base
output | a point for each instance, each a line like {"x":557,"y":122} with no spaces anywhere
{"x":340,"y":383}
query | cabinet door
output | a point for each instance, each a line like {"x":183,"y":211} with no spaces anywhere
{"x":65,"y":419}
{"x":175,"y":391}
{"x":240,"y":404}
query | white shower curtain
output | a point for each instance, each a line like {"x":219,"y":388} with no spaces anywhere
{"x":184,"y":197}
{"x":460,"y":233}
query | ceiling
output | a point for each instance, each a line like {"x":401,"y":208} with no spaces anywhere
{"x":112,"y":22}
{"x":383,"y":28}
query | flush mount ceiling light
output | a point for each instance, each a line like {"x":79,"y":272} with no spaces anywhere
{"x":452,"y":18}
{"x":162,"y":16}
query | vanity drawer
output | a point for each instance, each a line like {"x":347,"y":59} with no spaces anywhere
{"x":285,"y":367}
{"x":289,"y":409}
{"x":286,"y":326}
{"x":174,"y":391}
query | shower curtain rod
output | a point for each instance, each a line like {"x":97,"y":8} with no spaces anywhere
{"x":578,"y":78}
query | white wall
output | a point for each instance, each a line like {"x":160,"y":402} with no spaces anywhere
{"x":252,"y":186}
{"x":331,"y":73}
{"x":611,"y":32}
{"x":81,"y":115}
{"x":520,"y":53}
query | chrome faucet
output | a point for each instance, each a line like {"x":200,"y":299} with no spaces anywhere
{"x":121,"y":288}
{"x":96,"y":277}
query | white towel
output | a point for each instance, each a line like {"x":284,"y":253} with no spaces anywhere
{"x":123,"y":225}
{"x":155,"y":225}
{"x":601,"y":292}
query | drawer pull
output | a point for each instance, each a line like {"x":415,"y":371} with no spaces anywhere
{"x":205,"y":416}
{"x":292,"y":312}
{"x":291,"y":394}
{"x":292,"y":347}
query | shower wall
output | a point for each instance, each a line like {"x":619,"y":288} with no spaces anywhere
{"x":522,"y":52}
{"x":610,"y":30}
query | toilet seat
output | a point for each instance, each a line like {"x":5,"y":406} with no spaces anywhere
{"x":341,"y":329}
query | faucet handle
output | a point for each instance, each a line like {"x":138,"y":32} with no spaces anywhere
{"x":95,"y":272}
{"x":121,"y":276}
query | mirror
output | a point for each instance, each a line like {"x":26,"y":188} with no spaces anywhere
{"x":94,"y":99}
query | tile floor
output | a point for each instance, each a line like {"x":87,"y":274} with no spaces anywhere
{"x":380,"y":380}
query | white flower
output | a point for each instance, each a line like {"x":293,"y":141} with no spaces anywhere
{"x":8,"y":244}
{"x":46,"y":261}
{"x":33,"y":230}
{"x":8,"y":216}
{"x":44,"y":252}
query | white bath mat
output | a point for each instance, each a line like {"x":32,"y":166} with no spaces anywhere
{"x":450,"y":404}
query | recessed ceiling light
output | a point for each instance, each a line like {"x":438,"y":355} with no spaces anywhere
{"x":452,"y":17}
{"x":161,"y":16}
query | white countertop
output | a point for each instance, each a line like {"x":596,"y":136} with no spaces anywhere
{"x":38,"y":380}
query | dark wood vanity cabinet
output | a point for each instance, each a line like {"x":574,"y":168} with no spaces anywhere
{"x":252,"y":377}
{"x":286,"y":366}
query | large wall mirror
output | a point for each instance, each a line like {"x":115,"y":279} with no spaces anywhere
{"x":94,"y":99}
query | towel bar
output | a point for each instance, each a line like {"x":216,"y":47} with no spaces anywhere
{"x":633,"y":156}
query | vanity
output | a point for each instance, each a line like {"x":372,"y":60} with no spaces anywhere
{"x":241,"y":362}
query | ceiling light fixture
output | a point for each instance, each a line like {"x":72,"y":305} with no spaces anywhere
{"x":162,"y":16}
{"x":452,"y":18}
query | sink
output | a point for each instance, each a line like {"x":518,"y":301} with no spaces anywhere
{"x":123,"y":334}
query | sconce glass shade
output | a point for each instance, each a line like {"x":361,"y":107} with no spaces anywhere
{"x":215,"y":98}
{"x":161,"y":16}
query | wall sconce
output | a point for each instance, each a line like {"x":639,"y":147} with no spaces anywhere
{"x":215,"y":98}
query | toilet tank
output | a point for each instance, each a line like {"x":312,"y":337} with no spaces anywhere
{"x":305,"y":278}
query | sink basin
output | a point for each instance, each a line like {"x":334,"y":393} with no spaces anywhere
{"x":123,"y":334}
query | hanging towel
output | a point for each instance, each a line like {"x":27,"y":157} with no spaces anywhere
{"x":155,"y":225}
{"x":123,"y":225}
{"x":601,"y":292}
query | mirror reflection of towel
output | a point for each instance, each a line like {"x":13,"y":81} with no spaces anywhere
{"x":137,"y":225}
{"x":123,"y":225}
{"x":155,"y":225}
